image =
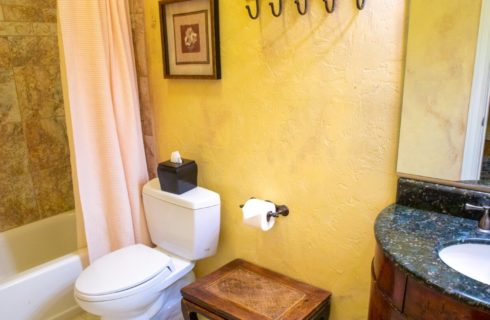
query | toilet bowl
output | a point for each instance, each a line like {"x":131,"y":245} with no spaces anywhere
{"x":139,"y":282}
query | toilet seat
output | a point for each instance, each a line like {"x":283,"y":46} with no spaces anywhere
{"x":122,"y":273}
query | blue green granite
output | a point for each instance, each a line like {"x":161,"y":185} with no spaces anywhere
{"x":440,"y":198}
{"x":411,"y":238}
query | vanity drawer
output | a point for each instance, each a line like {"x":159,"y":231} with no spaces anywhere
{"x":389,"y":279}
{"x":424,"y":303}
{"x":380,"y":307}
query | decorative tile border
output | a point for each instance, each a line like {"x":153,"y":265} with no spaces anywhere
{"x":146,"y":112}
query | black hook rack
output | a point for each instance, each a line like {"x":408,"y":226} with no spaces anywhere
{"x":274,"y":10}
{"x":330,"y":9}
{"x":299,"y":7}
{"x":277,"y":9}
{"x":257,"y":10}
{"x":360,"y":4}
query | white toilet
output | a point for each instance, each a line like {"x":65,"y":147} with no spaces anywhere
{"x":139,"y":282}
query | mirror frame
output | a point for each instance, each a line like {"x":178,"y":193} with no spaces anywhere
{"x":478,"y":111}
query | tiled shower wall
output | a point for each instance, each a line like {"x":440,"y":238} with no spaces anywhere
{"x":138,"y":26}
{"x":35,"y":177}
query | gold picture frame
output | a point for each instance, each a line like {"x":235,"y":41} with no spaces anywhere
{"x":190,"y":39}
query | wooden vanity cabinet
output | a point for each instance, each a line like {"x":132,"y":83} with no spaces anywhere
{"x":396,"y":295}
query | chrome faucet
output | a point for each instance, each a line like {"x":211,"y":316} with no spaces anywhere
{"x":484,"y":224}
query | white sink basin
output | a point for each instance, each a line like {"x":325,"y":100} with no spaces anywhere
{"x":470,"y":259}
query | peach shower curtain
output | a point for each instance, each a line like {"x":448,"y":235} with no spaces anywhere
{"x":107,"y":137}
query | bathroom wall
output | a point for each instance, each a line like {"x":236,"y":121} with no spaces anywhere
{"x":307,"y":114}
{"x":35,"y":179}
{"x":441,"y":50}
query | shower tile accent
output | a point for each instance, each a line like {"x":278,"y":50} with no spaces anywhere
{"x":9,"y":109}
{"x":145,"y":107}
{"x":17,"y":197}
{"x":37,"y":3}
{"x":15,"y":28}
{"x":137,"y":6}
{"x":44,"y":29}
{"x":146,"y":110}
{"x":47,"y":143}
{"x":151,"y":158}
{"x":18,"y":2}
{"x":35,"y":173}
{"x":138,"y":22}
{"x":49,"y":14}
{"x":13,"y":149}
{"x":34,"y":50}
{"x":4,"y":53}
{"x":39,"y":91}
{"x":51,"y":186}
{"x":22,"y":13}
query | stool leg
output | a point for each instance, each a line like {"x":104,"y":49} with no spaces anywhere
{"x":191,"y":310}
{"x":187,"y":312}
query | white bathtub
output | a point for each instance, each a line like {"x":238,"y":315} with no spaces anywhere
{"x":39,"y":264}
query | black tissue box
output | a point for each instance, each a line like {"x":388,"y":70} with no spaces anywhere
{"x":177,"y":177}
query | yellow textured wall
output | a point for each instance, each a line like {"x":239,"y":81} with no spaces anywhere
{"x":441,"y":50}
{"x":307,"y":114}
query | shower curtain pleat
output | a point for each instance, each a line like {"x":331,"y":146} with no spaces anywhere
{"x":107,"y":135}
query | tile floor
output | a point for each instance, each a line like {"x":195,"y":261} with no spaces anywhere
{"x":86,"y":316}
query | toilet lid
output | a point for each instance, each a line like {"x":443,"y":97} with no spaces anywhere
{"x":122,"y":269}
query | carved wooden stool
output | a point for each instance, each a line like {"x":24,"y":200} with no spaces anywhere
{"x":241,"y":290}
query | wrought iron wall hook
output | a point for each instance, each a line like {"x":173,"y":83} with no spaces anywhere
{"x":274,"y":11}
{"x":360,"y":4}
{"x":329,"y":8}
{"x":299,"y":7}
{"x":257,"y":10}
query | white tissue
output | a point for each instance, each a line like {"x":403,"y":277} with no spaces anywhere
{"x":175,"y":157}
{"x":255,"y":214}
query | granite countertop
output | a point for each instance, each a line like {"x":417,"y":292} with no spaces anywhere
{"x":411,"y":238}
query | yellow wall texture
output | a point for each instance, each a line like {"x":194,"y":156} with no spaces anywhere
{"x":441,"y":50}
{"x":307,"y":114}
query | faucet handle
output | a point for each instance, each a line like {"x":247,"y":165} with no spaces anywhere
{"x":468,"y":206}
{"x":484,"y":224}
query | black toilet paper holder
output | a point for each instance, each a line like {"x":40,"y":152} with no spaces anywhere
{"x":281,"y":210}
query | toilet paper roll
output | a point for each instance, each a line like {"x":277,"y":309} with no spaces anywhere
{"x":255,"y":214}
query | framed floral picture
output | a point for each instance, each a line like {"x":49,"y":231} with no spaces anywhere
{"x":190,"y":38}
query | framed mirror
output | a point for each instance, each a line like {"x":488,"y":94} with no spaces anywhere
{"x":446,"y":92}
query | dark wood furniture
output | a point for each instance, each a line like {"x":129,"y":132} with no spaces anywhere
{"x":242,"y":290}
{"x":396,"y":295}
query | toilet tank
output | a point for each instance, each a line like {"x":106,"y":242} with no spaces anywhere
{"x":186,"y":225}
